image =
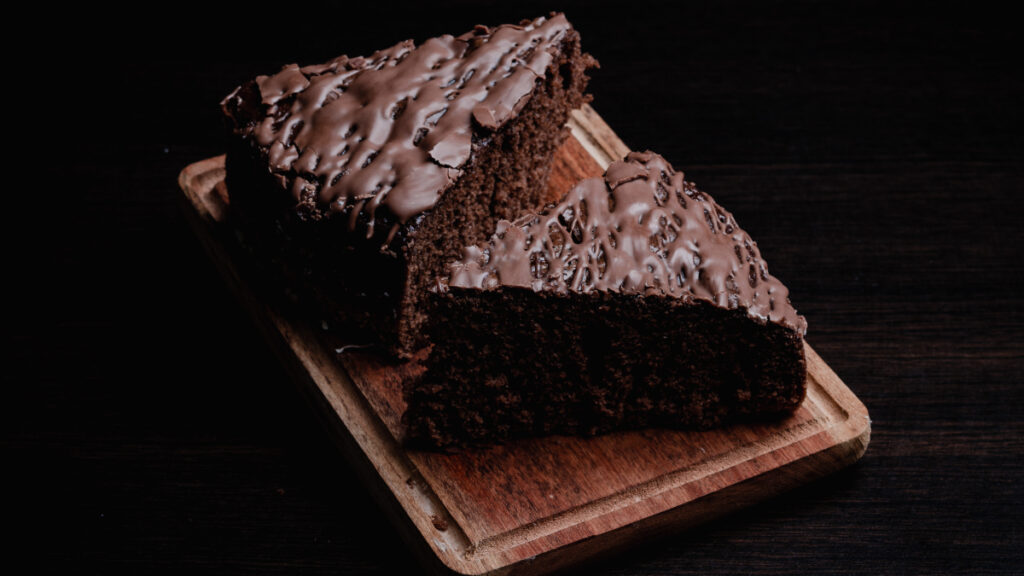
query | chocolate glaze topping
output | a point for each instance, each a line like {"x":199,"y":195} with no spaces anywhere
{"x":392,"y":129}
{"x":642,"y":229}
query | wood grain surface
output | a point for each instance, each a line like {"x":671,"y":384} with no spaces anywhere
{"x":872,"y":148}
{"x":530,"y":506}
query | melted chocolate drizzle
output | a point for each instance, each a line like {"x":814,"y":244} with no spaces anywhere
{"x":642,"y":229}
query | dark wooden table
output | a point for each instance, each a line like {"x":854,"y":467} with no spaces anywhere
{"x":873,"y":151}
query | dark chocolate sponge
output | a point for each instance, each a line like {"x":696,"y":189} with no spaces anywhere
{"x":635,"y":301}
{"x":360,"y":177}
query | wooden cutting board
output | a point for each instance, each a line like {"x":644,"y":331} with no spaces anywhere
{"x":532,"y":506}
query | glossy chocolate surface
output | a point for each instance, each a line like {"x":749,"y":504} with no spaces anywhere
{"x":394,"y":129}
{"x":641,"y":229}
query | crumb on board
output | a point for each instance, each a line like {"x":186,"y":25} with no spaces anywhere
{"x":438,"y":522}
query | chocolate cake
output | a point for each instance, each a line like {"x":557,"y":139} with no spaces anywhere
{"x":361,"y":177}
{"x":635,"y":301}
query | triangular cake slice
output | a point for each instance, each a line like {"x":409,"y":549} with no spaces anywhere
{"x":635,"y":301}
{"x":361,"y":177}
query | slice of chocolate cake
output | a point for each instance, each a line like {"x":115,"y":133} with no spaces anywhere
{"x":361,"y":177}
{"x":636,"y":301}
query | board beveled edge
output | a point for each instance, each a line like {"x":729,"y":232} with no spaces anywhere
{"x":332,"y":396}
{"x":391,"y":476}
{"x":815,"y":448}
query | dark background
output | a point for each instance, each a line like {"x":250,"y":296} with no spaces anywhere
{"x":873,"y":150}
